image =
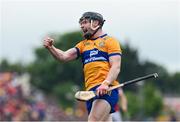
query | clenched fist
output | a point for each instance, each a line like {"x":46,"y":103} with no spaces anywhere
{"x":48,"y":42}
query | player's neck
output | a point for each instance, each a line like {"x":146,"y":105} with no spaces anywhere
{"x":98,"y":34}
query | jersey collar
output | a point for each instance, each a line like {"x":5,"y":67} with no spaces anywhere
{"x":99,"y":37}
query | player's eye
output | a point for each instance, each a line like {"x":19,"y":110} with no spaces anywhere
{"x":84,"y":22}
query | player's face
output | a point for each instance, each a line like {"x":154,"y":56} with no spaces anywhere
{"x":85,"y":26}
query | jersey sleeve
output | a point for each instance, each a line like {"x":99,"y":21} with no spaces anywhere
{"x":79,"y":49}
{"x":114,"y":47}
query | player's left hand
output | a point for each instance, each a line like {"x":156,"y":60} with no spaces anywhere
{"x":102,"y":89}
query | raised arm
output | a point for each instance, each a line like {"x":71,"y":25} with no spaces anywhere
{"x":60,"y":55}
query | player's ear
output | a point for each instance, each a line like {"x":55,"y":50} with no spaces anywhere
{"x":95,"y":23}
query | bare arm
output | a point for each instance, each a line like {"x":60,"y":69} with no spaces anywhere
{"x":115,"y":62}
{"x":60,"y":55}
{"x":123,"y":101}
{"x":65,"y":56}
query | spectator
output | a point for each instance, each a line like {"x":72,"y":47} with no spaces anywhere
{"x":117,"y":117}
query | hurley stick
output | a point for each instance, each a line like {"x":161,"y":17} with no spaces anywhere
{"x":87,"y":95}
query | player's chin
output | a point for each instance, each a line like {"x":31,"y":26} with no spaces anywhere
{"x":84,"y":32}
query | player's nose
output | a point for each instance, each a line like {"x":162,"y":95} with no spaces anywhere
{"x":81,"y":26}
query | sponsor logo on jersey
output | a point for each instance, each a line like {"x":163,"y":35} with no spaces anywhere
{"x":93,"y":52}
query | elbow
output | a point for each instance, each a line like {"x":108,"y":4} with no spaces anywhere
{"x":65,"y":58}
{"x":61,"y":58}
{"x":118,"y":68}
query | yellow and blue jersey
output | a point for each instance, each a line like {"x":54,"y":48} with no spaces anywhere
{"x":95,"y":55}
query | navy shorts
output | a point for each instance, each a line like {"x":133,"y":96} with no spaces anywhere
{"x":111,"y":98}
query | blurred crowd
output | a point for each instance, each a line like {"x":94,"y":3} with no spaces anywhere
{"x":14,"y":105}
{"x":20,"y":102}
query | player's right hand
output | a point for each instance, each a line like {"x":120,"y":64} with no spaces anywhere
{"x":48,"y":42}
{"x":102,"y":89}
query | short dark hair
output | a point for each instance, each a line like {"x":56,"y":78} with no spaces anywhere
{"x":93,"y":16}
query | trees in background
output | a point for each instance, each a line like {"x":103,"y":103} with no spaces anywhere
{"x":62,"y":79}
{"x":8,"y":67}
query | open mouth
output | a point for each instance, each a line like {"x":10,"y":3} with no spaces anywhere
{"x":85,"y":30}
